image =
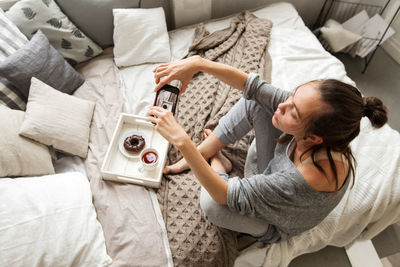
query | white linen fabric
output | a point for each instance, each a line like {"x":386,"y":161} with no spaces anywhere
{"x":20,"y":156}
{"x":64,"y":36}
{"x":140,"y":36}
{"x":297,"y":57}
{"x":57,"y":119}
{"x":133,"y":226}
{"x":50,"y":221}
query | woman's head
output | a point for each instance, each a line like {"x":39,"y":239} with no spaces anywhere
{"x":294,"y":115}
{"x":328,"y":112}
{"x":339,"y":123}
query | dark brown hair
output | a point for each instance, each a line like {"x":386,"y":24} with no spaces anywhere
{"x":340,"y":124}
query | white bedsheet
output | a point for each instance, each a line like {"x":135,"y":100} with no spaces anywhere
{"x":298,"y":57}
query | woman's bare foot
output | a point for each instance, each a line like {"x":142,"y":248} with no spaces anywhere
{"x":178,"y":167}
{"x":182,"y":165}
{"x":206,"y":132}
{"x":219,"y":162}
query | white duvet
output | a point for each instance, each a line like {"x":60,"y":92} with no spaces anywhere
{"x":50,"y":221}
{"x":297,"y":57}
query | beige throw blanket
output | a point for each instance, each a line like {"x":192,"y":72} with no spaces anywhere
{"x":193,"y":240}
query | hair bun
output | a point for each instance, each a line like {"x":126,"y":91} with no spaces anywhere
{"x":375,"y":111}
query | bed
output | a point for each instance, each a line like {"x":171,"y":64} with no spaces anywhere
{"x":132,"y":225}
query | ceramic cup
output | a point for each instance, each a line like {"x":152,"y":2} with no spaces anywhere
{"x":149,"y":158}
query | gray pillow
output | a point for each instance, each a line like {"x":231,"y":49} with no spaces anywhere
{"x":64,"y":36}
{"x":39,"y":59}
{"x":95,"y":17}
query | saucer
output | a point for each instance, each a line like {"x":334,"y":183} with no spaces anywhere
{"x":122,"y":148}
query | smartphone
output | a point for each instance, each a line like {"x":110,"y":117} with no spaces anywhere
{"x":167,"y":97}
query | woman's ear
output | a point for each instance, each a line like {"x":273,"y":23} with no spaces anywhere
{"x":315,"y":139}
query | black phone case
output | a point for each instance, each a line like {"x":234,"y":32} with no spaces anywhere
{"x":170,"y":95}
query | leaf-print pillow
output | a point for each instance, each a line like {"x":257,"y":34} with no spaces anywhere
{"x":45,"y":15}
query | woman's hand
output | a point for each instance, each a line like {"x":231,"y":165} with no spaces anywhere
{"x":167,"y":126}
{"x":182,"y":70}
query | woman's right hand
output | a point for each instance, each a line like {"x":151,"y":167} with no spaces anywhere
{"x":182,"y":70}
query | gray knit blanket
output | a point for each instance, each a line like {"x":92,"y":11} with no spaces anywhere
{"x":193,"y":240}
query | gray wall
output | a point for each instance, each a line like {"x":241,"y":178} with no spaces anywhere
{"x":308,"y":9}
{"x":188,"y":12}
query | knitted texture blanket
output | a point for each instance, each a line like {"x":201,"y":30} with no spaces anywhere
{"x":194,"y":241}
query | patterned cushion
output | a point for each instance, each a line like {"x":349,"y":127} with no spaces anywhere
{"x":64,"y":36}
{"x":11,"y":39}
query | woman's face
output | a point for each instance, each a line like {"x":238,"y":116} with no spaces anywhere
{"x":292,"y":116}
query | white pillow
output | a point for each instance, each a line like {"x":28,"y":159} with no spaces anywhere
{"x":338,"y":37}
{"x":20,"y":156}
{"x":57,"y":119}
{"x":50,"y":221}
{"x":140,"y":36}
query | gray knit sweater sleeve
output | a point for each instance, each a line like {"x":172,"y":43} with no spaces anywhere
{"x":264,"y":196}
{"x":266,"y":95}
{"x":281,"y":197}
{"x":237,"y":123}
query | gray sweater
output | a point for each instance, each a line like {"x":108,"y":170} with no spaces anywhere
{"x":279,"y":194}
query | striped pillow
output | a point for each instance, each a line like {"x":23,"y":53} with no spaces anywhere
{"x":11,"y":39}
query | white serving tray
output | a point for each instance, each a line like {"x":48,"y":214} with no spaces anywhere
{"x":118,"y":167}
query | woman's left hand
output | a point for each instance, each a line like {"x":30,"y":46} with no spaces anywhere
{"x":167,"y":126}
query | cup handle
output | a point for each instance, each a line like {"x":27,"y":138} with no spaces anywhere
{"x":141,"y":168}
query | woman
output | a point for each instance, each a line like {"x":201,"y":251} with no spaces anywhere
{"x":302,"y":145}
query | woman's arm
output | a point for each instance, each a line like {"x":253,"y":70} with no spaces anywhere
{"x":208,"y":148}
{"x":168,"y":127}
{"x":184,"y":70}
{"x":208,"y":178}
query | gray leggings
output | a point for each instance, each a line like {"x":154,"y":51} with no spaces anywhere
{"x":222,"y":216}
{"x":244,"y":115}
